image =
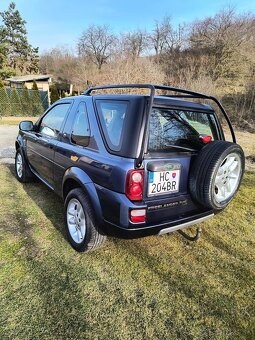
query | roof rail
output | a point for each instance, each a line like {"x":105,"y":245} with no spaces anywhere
{"x":152,"y":87}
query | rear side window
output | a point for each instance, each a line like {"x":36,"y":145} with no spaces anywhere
{"x":169,"y":127}
{"x":112,"y":115}
{"x":81,"y":130}
{"x":52,"y":121}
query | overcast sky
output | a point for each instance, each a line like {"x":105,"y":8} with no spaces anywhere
{"x":54,"y":23}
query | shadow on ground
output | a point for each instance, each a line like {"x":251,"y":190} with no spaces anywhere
{"x":46,"y":200}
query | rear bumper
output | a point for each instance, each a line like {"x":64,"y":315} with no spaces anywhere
{"x":157,"y":229}
{"x":185,"y":225}
{"x":163,"y":215}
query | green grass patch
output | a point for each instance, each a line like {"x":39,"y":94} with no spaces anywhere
{"x":156,"y":287}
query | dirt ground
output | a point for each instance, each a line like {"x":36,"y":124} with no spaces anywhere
{"x":8,"y":134}
{"x":247,"y":141}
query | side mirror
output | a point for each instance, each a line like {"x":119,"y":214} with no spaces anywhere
{"x":26,"y":125}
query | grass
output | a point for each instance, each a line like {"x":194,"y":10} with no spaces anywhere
{"x":156,"y":287}
{"x":15,"y":120}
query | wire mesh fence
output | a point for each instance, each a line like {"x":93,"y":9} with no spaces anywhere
{"x":22,"y":102}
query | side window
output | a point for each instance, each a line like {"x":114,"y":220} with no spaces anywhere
{"x":202,"y":122}
{"x":112,"y":116}
{"x":81,"y":130}
{"x":52,"y":121}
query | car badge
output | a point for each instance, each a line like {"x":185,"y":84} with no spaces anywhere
{"x":169,"y":166}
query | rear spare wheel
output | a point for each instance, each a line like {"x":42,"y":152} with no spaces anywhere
{"x":216,"y":174}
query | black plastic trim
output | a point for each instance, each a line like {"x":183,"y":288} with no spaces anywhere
{"x":153,"y":88}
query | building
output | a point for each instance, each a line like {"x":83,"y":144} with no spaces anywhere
{"x":43,"y":81}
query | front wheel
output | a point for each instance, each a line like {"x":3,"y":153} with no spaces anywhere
{"x":82,"y":231}
{"x":23,"y":174}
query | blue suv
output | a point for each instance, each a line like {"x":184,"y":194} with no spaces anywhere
{"x":130,"y":164}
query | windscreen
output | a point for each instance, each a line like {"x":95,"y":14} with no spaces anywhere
{"x":171,"y":127}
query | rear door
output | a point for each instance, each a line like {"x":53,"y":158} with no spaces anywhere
{"x":175,"y":137}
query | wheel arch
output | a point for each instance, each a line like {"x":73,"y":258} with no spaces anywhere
{"x":17,"y":145}
{"x":77,"y":178}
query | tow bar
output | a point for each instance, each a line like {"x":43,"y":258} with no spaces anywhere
{"x":191,"y":238}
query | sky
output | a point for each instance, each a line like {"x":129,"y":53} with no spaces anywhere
{"x":60,"y":23}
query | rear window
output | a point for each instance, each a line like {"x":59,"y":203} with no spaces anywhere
{"x":112,"y":115}
{"x":169,"y":127}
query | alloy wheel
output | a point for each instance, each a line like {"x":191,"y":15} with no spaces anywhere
{"x":76,"y":220}
{"x":19,"y":165}
{"x":227,"y":177}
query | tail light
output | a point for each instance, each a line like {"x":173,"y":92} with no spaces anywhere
{"x":137,"y":215}
{"x":205,"y":138}
{"x":134,"y":185}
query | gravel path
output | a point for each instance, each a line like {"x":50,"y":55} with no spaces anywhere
{"x":8,"y":134}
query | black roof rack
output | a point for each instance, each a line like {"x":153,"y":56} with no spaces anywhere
{"x":152,"y":87}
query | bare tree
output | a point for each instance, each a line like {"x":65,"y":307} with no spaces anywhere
{"x":226,"y":38}
{"x":177,"y":38}
{"x":164,"y":38}
{"x":135,"y":43}
{"x":60,"y":62}
{"x":160,"y":34}
{"x":96,"y":43}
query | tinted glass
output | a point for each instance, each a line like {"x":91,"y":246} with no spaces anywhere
{"x":180,"y":128}
{"x":112,"y":116}
{"x":51,"y":123}
{"x":81,"y":129}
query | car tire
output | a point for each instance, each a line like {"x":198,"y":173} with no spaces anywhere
{"x":216,"y":174}
{"x":82,"y":231}
{"x":22,"y":171}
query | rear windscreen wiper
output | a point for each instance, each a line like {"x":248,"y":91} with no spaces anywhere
{"x":180,"y":147}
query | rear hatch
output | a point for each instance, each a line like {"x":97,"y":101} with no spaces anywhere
{"x":175,"y":137}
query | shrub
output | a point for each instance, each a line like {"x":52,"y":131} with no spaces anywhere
{"x":5,"y":105}
{"x":54,"y":96}
{"x":37,"y":108}
{"x":16,"y":108}
{"x":26,"y":102}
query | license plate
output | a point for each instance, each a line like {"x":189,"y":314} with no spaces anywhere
{"x":163,"y":182}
